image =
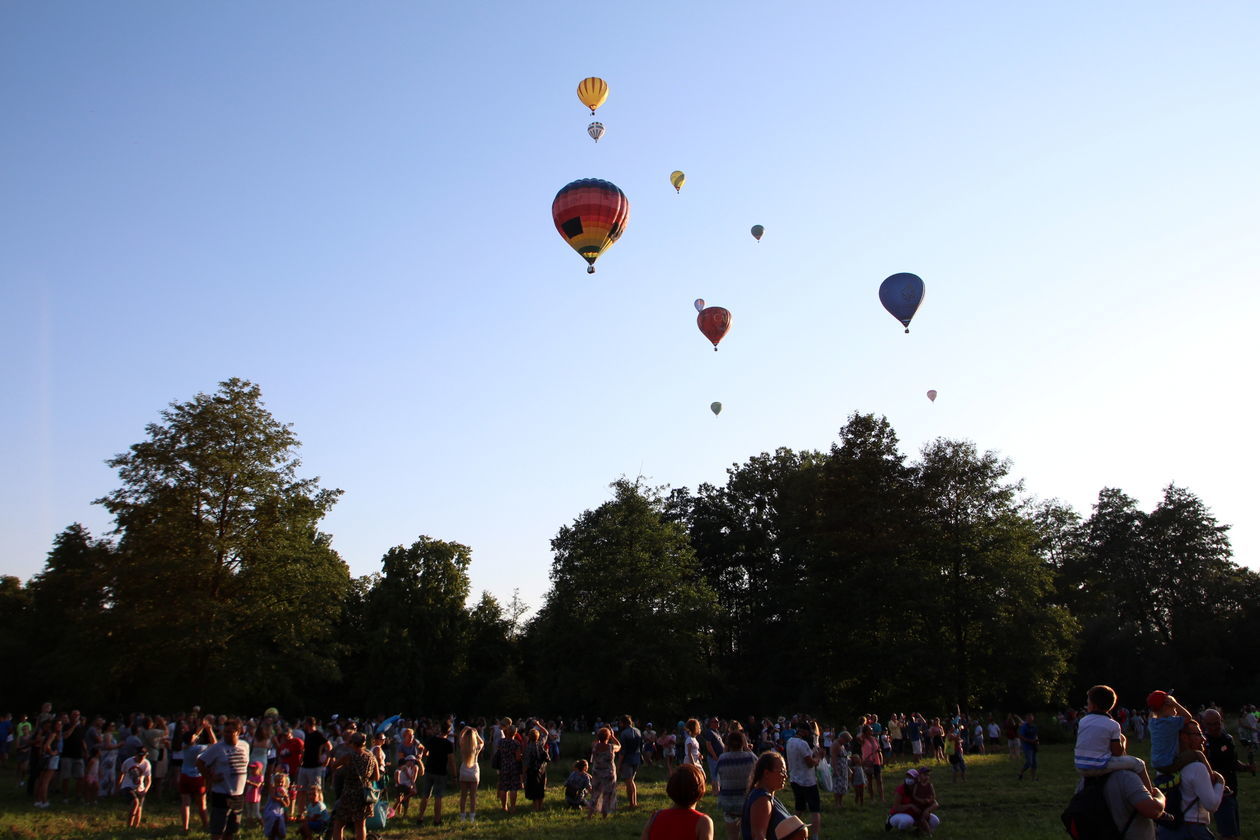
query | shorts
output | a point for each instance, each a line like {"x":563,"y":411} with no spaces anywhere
{"x":627,"y":771}
{"x":134,"y":796}
{"x":468,"y":774}
{"x":225,"y":814}
{"x":191,"y":785}
{"x":309,"y":777}
{"x":916,"y":747}
{"x":432,"y":784}
{"x":807,"y":800}
{"x":732,"y":808}
{"x":71,"y":768}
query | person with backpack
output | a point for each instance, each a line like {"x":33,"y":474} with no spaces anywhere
{"x":1114,"y":806}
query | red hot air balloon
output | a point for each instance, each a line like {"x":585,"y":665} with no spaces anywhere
{"x":714,"y":322}
{"x":590,"y":214}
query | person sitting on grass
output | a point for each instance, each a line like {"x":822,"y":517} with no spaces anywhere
{"x":316,"y":818}
{"x":681,"y":822}
{"x":923,"y":797}
{"x":577,"y":787}
{"x":909,"y":811}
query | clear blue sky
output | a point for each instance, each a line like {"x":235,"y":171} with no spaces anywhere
{"x":348,"y":203}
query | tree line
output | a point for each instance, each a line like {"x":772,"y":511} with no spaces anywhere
{"x":837,"y":581}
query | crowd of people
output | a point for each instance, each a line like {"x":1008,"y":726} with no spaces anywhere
{"x":312,"y":776}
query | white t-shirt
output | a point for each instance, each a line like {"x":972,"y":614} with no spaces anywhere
{"x":995,"y":731}
{"x":136,"y":774}
{"x":691,"y":753}
{"x":1196,"y":783}
{"x":799,"y":769}
{"x":230,"y":763}
{"x":1094,"y":734}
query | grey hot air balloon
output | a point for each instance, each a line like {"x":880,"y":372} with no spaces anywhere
{"x":757,"y":231}
{"x":716,"y":408}
{"x":596,"y":130}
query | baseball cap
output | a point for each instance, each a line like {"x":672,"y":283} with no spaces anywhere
{"x":1156,"y":700}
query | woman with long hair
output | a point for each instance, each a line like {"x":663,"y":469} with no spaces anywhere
{"x":765,"y":817}
{"x":604,"y":751}
{"x":691,"y":748}
{"x":470,"y":745}
{"x":48,"y":749}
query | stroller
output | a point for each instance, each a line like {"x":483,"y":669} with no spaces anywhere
{"x":380,"y":810}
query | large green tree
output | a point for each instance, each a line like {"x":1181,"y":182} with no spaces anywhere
{"x":225,"y":589}
{"x":627,"y":623}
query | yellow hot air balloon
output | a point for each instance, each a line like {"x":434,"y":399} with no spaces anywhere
{"x":593,"y":91}
{"x":677,"y":178}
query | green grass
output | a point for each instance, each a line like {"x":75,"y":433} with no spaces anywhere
{"x":990,"y":804}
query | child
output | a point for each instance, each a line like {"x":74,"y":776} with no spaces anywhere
{"x":280,"y":779}
{"x":578,"y":786}
{"x":923,"y":798}
{"x":405,"y":780}
{"x":958,"y":758}
{"x":315,"y":820}
{"x":859,"y":782}
{"x":253,"y":793}
{"x":1099,"y":744}
{"x":1167,"y":718}
{"x":273,"y":818}
{"x":378,"y":749}
{"x":92,"y":775}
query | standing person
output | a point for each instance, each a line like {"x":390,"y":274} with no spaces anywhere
{"x":681,"y":822}
{"x":470,"y":746}
{"x":192,"y":785}
{"x":511,"y":757}
{"x":109,"y":759}
{"x":712,"y":750}
{"x":47,"y":746}
{"x":439,"y":765}
{"x":224,"y":766}
{"x":691,"y":744}
{"x":134,"y":780}
{"x":958,"y":754}
{"x":1224,"y":760}
{"x":666,"y":746}
{"x":1010,"y":730}
{"x":872,"y":762}
{"x":840,"y":757}
{"x":802,"y":758}
{"x":1029,"y":742}
{"x":1202,"y":790}
{"x":73,"y":756}
{"x":314,"y":756}
{"x":764,"y":817}
{"x":359,"y":770}
{"x":734,"y":768}
{"x":631,"y":756}
{"x":604,"y":772}
{"x":536,"y":760}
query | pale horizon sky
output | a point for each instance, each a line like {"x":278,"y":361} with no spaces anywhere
{"x":350,"y":206}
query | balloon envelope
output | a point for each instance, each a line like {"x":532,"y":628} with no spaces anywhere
{"x":714,"y":322}
{"x":596,"y":130}
{"x":590,"y":214}
{"x":699,"y":304}
{"x":592,"y":91}
{"x":932,"y":395}
{"x":901,"y":295}
{"x":757,"y":231}
{"x":716,"y":408}
{"x":677,"y":178}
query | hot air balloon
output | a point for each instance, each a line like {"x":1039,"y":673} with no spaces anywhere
{"x":901,"y":295}
{"x":932,"y":395}
{"x":714,"y":322}
{"x":716,"y":408}
{"x":592,"y":91}
{"x":590,"y":214}
{"x":596,"y":130}
{"x":699,"y":304}
{"x":757,"y":231}
{"x":677,"y":178}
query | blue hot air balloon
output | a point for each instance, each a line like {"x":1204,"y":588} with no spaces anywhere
{"x":901,"y":295}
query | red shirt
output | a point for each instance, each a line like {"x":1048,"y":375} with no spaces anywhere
{"x":675,"y":824}
{"x":293,"y":760}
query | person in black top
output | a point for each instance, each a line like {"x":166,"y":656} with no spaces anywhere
{"x":439,"y":764}
{"x":1223,"y":757}
{"x":72,"y":757}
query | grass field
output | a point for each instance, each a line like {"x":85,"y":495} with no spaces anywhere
{"x":990,"y":804}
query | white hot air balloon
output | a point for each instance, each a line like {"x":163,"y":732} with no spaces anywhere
{"x":596,"y":130}
{"x":932,"y":395}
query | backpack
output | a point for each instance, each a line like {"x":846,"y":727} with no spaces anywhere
{"x":1174,"y":816}
{"x":1087,"y":816}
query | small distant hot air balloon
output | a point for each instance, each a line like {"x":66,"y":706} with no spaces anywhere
{"x":757,"y":231}
{"x":592,"y":91}
{"x":677,"y":178}
{"x":596,"y":130}
{"x":932,"y":395}
{"x":716,"y":408}
{"x":714,"y":322}
{"x":699,"y":304}
{"x":591,"y":215}
{"x":901,"y":295}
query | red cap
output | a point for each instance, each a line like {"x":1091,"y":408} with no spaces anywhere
{"x":1156,"y":700}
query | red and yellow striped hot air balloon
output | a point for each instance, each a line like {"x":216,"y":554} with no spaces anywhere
{"x":591,"y":215}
